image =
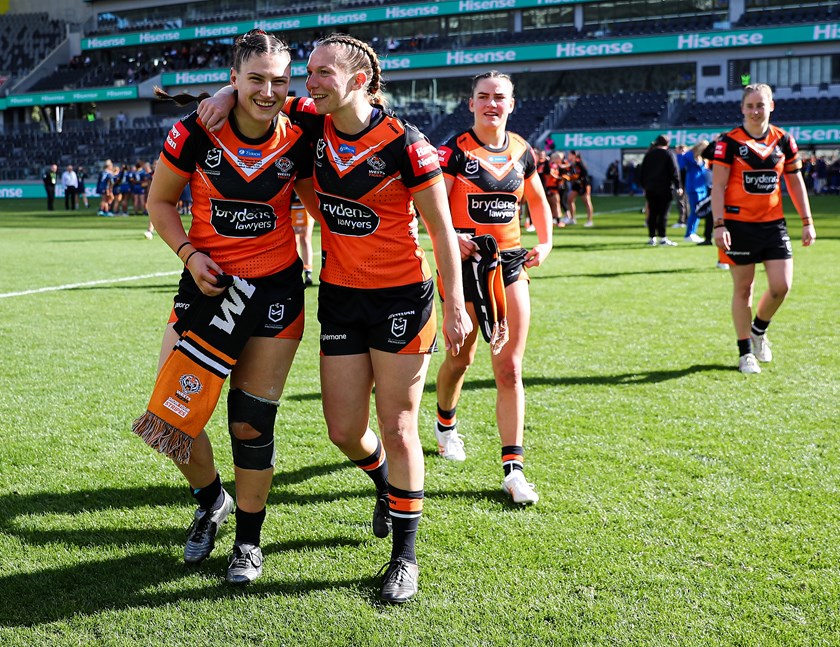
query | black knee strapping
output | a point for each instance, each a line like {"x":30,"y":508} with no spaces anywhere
{"x":254,"y":453}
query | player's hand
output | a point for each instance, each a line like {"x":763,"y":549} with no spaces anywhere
{"x":722,"y":238}
{"x":537,"y":255}
{"x":213,"y":112}
{"x":466,"y":246}
{"x":204,"y":272}
{"x":809,"y":235}
{"x":457,"y":326}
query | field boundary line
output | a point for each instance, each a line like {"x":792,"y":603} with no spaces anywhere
{"x":70,"y":286}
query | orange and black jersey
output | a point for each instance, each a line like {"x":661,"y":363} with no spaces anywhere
{"x":488,"y":185}
{"x":754,"y":192}
{"x":241,"y":191}
{"x":364,"y":184}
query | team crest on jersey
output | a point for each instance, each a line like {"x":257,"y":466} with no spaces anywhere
{"x":284,"y":166}
{"x":377,"y":166}
{"x":399,"y":326}
{"x":276,"y":312}
{"x":214,"y":158}
{"x":471,"y":167}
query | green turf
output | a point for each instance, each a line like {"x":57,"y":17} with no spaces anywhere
{"x":682,"y":502}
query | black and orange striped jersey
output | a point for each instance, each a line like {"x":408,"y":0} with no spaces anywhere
{"x":488,"y":185}
{"x":364,"y":184}
{"x":241,"y":191}
{"x":754,"y":192}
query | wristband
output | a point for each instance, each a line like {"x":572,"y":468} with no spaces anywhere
{"x":719,"y":225}
{"x":806,"y":222}
{"x":180,"y":247}
{"x":193,"y":253}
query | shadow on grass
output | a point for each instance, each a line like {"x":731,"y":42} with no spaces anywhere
{"x":642,"y":377}
{"x":144,"y":578}
{"x":147,"y":580}
{"x":613,"y":275}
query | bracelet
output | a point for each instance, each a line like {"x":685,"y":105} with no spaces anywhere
{"x":193,"y":253}
{"x":719,"y":225}
{"x":806,"y":222}
{"x":180,"y":247}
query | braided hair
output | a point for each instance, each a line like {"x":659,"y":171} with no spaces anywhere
{"x":359,"y":57}
{"x":252,"y":43}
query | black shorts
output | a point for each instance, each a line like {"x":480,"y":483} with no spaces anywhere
{"x":756,"y":242}
{"x":394,"y":320}
{"x":283,"y":302}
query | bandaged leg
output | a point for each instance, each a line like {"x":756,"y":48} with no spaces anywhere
{"x":251,"y":426}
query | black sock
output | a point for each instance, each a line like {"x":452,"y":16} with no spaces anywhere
{"x":513,"y":458}
{"x":744,"y":346}
{"x":210,"y":496}
{"x":759,"y":326}
{"x":446,"y":418}
{"x":376,"y":467}
{"x":406,"y":510}
{"x":248,"y":526}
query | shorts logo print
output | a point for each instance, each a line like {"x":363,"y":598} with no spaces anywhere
{"x":276,"y":312}
{"x":399,"y":326}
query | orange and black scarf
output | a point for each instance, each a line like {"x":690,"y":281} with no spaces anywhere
{"x":213,"y":332}
{"x":484,"y":283}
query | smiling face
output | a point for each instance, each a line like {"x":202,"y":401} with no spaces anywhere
{"x":329,"y":84}
{"x":491,"y":102}
{"x":756,"y":107}
{"x":262,"y":83}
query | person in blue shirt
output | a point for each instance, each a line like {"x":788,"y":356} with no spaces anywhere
{"x":697,"y":182}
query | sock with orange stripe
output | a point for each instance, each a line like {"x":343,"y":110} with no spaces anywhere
{"x":513,"y":458}
{"x":446,"y":419}
{"x":376,"y":467}
{"x":406,"y":509}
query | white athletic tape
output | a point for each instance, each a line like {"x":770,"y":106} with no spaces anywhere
{"x":70,"y":286}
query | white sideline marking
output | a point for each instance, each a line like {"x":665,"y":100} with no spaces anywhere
{"x":70,"y":286}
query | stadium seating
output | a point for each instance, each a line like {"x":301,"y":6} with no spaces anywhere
{"x":631,"y":109}
{"x":25,"y":39}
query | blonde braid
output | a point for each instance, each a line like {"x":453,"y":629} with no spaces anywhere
{"x":360,"y":57}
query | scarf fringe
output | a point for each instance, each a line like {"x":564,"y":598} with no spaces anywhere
{"x":162,"y":436}
{"x":499,"y":337}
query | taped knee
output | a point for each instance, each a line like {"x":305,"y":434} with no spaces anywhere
{"x":256,"y":452}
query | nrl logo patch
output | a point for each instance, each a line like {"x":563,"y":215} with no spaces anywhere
{"x":743,"y":151}
{"x":399,"y":326}
{"x":214,"y":158}
{"x":472,"y":167}
{"x":276,"y":311}
{"x":319,"y":148}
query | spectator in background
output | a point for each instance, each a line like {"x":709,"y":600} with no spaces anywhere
{"x":613,"y":175}
{"x":50,"y":179}
{"x":70,"y":182}
{"x":580,"y":185}
{"x":121,"y":120}
{"x":659,"y":176}
{"x":682,"y":200}
{"x":82,"y":175}
{"x":105,"y":188}
{"x":697,"y":183}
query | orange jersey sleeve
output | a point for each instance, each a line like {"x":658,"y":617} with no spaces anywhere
{"x":753,"y":192}
{"x":488,"y":185}
{"x":241,"y":192}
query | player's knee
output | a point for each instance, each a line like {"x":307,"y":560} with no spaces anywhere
{"x":509,"y":375}
{"x":251,"y":426}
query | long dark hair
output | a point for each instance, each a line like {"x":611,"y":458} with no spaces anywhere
{"x":252,"y":43}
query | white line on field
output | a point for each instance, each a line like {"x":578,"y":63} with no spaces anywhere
{"x":70,"y":286}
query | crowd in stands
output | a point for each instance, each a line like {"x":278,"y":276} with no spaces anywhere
{"x":26,"y":39}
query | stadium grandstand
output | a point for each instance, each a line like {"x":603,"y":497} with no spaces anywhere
{"x":605,"y":77}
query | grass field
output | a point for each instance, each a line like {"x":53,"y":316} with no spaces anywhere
{"x":682,"y":502}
